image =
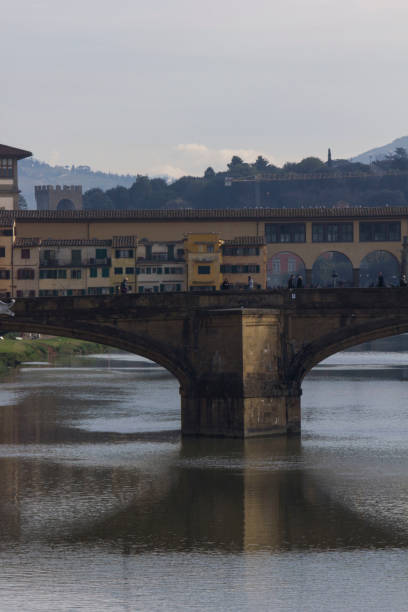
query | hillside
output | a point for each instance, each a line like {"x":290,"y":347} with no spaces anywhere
{"x":34,"y":172}
{"x":379,"y":153}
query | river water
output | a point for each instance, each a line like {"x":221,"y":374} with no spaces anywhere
{"x":104,"y":507}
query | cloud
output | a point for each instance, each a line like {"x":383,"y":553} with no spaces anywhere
{"x":198,"y":156}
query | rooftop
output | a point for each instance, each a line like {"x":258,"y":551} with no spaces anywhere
{"x":253,"y":214}
{"x":6,"y":151}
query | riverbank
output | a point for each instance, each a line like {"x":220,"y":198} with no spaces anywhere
{"x":13,"y":352}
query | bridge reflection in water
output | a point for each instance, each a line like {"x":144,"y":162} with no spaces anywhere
{"x":240,"y":358}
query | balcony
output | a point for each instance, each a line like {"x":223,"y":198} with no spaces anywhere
{"x":56,"y":262}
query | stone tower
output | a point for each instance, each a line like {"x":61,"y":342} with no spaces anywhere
{"x":68,"y":197}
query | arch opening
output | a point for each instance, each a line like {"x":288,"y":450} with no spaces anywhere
{"x":126,"y":343}
{"x":281,"y":266}
{"x":332,"y":269}
{"x":65,"y":204}
{"x":341,"y":340}
{"x":378,"y":262}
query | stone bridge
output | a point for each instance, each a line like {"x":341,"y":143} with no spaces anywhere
{"x":240,"y":358}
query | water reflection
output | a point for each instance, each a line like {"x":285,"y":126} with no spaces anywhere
{"x":92,"y":466}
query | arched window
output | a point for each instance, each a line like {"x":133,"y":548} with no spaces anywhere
{"x":374,"y":263}
{"x":332,"y":269}
{"x":281,"y":266}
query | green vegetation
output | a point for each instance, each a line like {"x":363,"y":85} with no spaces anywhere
{"x":14,"y":352}
{"x":327,"y":184}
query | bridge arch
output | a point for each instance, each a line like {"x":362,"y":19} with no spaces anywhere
{"x":379,"y":261}
{"x":340,"y":340}
{"x":281,"y":265}
{"x":131,"y":343}
{"x":332,"y":269}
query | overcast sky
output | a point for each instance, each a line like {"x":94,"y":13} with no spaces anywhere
{"x":160,"y":86}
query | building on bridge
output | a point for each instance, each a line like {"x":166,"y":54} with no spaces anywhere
{"x":9,"y":157}
{"x":328,"y":247}
{"x":161,"y":267}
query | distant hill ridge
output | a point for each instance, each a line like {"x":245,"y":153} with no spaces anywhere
{"x":380,"y":153}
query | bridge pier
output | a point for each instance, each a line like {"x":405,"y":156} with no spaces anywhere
{"x":244,"y":417}
{"x":239,"y":391}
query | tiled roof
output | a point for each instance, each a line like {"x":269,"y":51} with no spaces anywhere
{"x":6,"y":221}
{"x":32,"y":242}
{"x":76,"y":242}
{"x":27,"y":242}
{"x":6,"y":151}
{"x":124,"y":241}
{"x":245,"y":241}
{"x":257,"y":214}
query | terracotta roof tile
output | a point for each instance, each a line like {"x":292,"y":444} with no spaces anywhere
{"x":27,"y":242}
{"x":257,"y":214}
{"x":76,"y":242}
{"x":245,"y":241}
{"x":124,"y":241}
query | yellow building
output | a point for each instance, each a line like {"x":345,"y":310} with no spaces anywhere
{"x":244,"y":257}
{"x":124,"y":257}
{"x":161,"y":267}
{"x":6,"y":257}
{"x":26,"y":267}
{"x":204,"y":257}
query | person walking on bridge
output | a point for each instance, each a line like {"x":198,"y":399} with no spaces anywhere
{"x":380,"y":280}
{"x":299,"y":282}
{"x":291,"y":282}
{"x":124,"y":287}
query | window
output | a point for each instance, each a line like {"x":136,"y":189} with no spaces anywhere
{"x":203,"y":269}
{"x":380,"y":231}
{"x":240,"y":269}
{"x":127,"y":253}
{"x":236,"y":250}
{"x":276,"y":266}
{"x":93,"y":272}
{"x":6,"y":168}
{"x":100,"y":254}
{"x":118,"y":270}
{"x":25,"y":253}
{"x":210,"y":248}
{"x":2,"y":251}
{"x":48,"y":273}
{"x":76,"y":274}
{"x":132,"y":270}
{"x":285,"y":232}
{"x":55,"y":292}
{"x":76,"y":257}
{"x":25,"y":274}
{"x":291,"y":265}
{"x":105,"y":272}
{"x":4,"y":274}
{"x":7,"y":233}
{"x":332,"y":232}
{"x":20,"y":293}
{"x":62,"y":274}
{"x":31,"y":293}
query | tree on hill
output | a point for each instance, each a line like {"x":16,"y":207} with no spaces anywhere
{"x":96,"y":199}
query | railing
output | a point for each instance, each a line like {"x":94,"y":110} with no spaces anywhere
{"x":60,"y":263}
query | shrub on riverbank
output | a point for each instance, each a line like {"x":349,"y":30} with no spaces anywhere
{"x":13,"y":352}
